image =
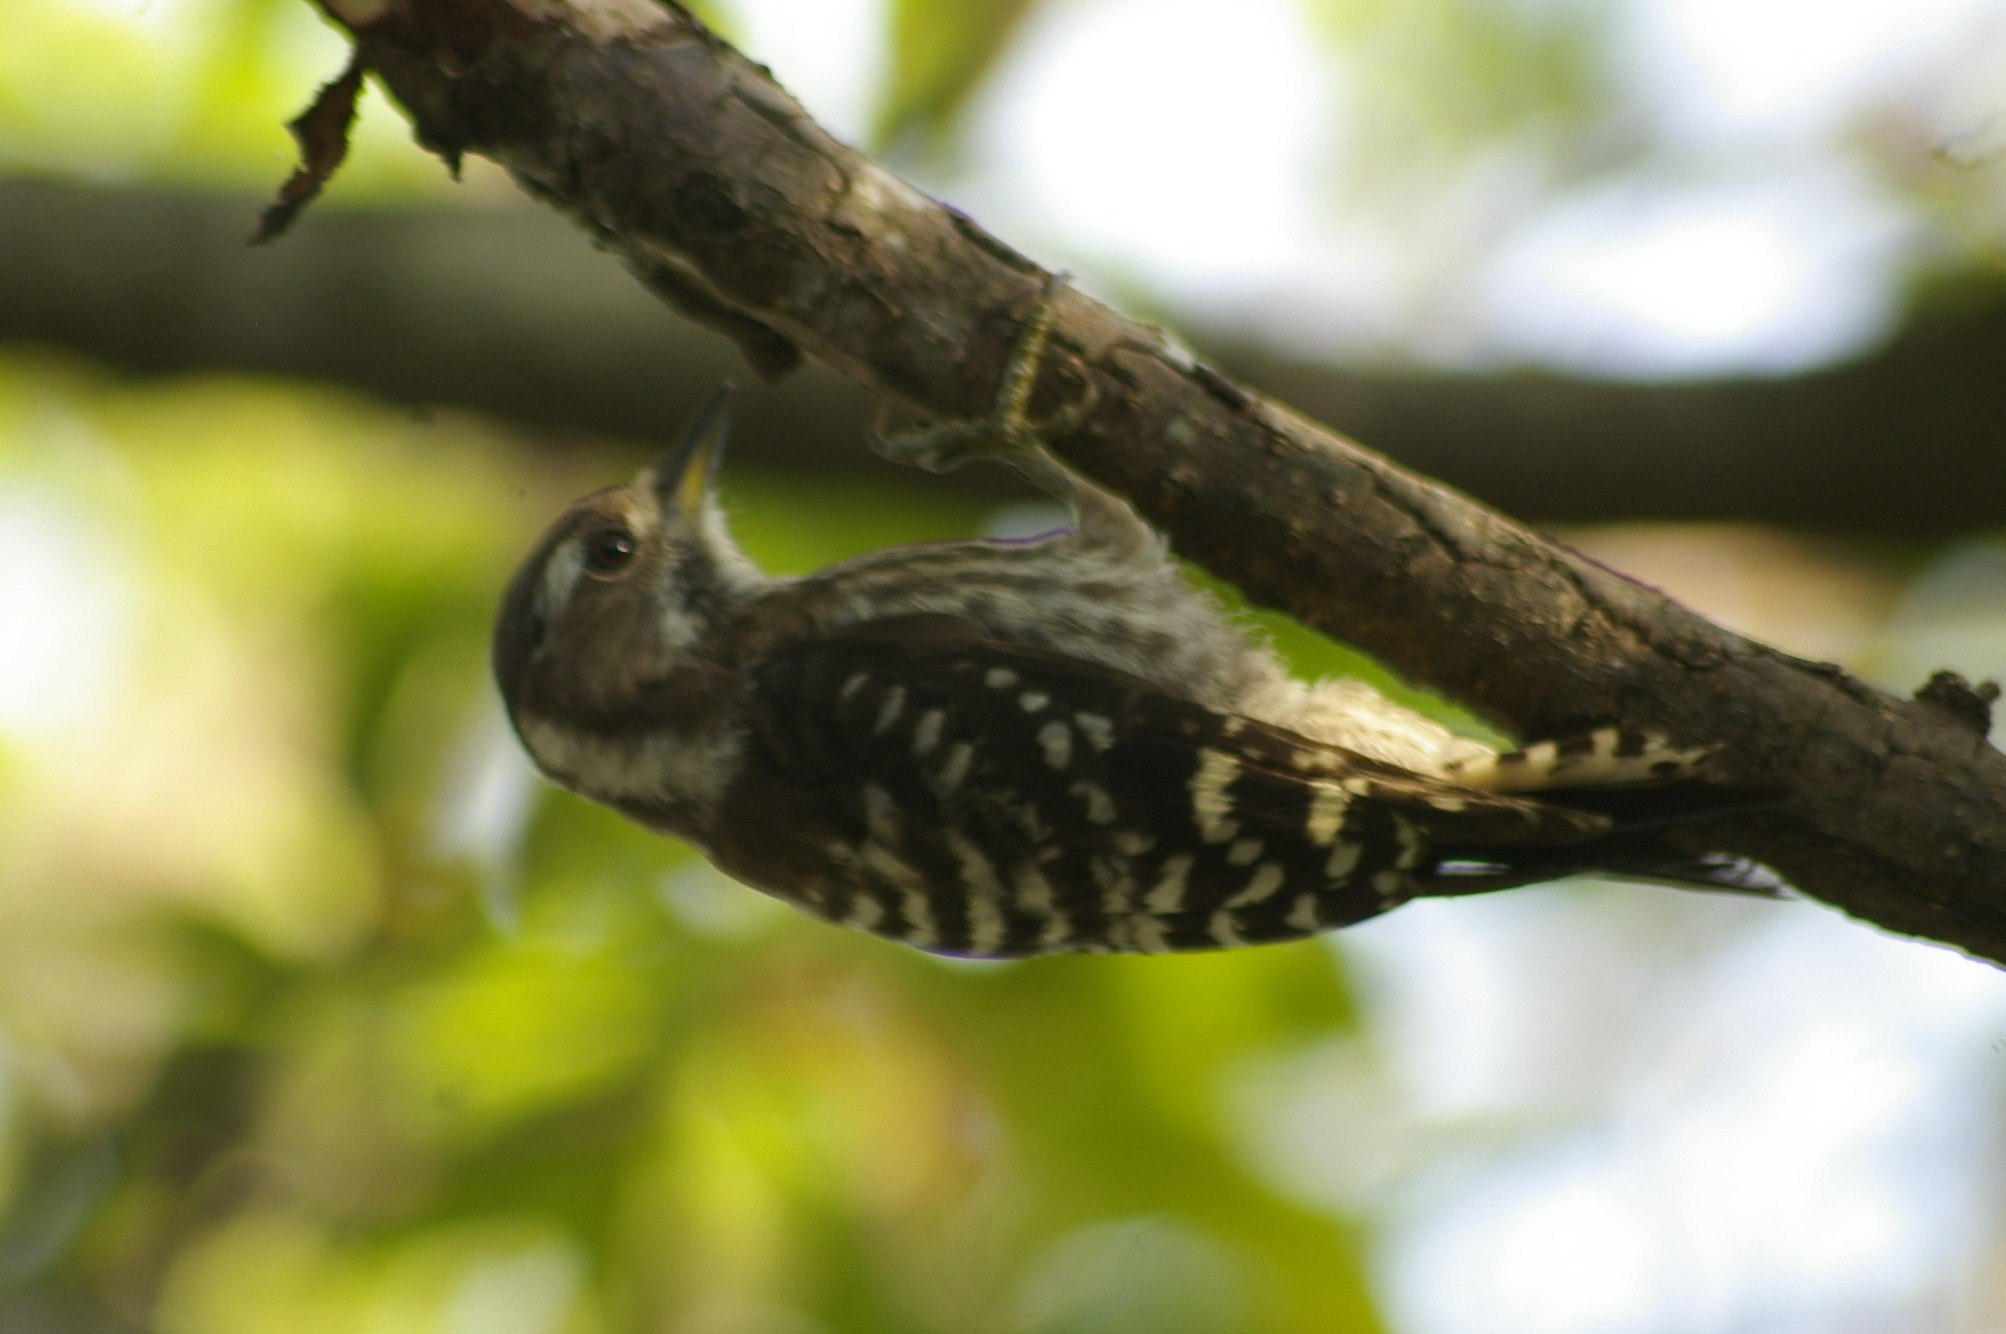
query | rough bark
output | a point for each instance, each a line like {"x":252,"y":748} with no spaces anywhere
{"x":722,"y":195}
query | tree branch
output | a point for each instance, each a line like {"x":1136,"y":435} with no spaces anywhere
{"x":727,"y":200}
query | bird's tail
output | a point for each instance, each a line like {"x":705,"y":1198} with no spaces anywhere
{"x":1606,"y":757}
{"x":1642,"y":784}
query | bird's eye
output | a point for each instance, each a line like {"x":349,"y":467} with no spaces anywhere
{"x":608,"y":550}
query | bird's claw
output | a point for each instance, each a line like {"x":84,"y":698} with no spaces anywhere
{"x":1008,"y":432}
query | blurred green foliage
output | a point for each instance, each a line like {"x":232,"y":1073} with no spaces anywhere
{"x":1437,"y":81}
{"x":189,"y":91}
{"x":200,"y":90}
{"x":939,"y":56}
{"x":318,"y":1012}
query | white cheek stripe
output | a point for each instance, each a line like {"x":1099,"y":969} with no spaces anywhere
{"x":560,"y":576}
{"x":660,"y":765}
{"x":679,"y":628}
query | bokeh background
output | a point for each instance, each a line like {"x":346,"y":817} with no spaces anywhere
{"x":318,"y":1012}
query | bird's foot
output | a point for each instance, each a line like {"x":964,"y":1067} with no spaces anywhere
{"x":1008,"y":433}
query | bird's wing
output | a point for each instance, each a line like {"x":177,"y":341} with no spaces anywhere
{"x":974,"y":797}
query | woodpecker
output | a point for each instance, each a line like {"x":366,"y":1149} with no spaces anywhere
{"x":996,"y":748}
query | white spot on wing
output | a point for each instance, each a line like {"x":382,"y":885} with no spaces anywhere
{"x":920,"y":932}
{"x":1033,"y":824}
{"x":1303,"y":915}
{"x":954,"y":768}
{"x":1133,"y":842}
{"x":881,"y":815}
{"x":1147,"y":935}
{"x":999,"y":678}
{"x":1057,"y":741}
{"x":985,"y":893}
{"x":1034,"y":896}
{"x":1343,"y":861}
{"x":1099,"y":805}
{"x":926,"y":734}
{"x":889,"y":711}
{"x":1245,"y":852}
{"x":911,"y":889}
{"x":1326,"y":813}
{"x":1265,"y":882}
{"x":1209,"y":803}
{"x":1225,"y":930}
{"x":1413,"y":845}
{"x":851,"y":686}
{"x":1117,"y":885}
{"x":1166,"y":896}
{"x":1031,"y":701}
{"x":888,"y":865}
{"x":1097,"y":729}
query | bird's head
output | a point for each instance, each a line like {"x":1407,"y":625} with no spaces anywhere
{"x":622,"y":593}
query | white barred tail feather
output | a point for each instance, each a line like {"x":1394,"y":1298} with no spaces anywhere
{"x":1641,"y":782}
{"x":1605,"y":757}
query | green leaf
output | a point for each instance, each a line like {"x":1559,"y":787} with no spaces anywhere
{"x":940,"y":53}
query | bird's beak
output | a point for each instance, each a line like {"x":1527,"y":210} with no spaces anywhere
{"x":683,"y":479}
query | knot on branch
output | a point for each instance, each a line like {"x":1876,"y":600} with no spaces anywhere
{"x":1969,"y":705}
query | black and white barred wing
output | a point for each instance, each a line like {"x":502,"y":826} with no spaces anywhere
{"x":973,"y":798}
